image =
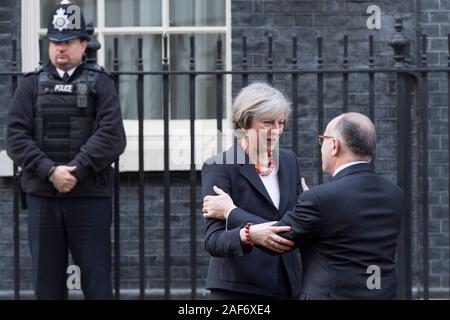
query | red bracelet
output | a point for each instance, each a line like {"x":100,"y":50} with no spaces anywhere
{"x":250,"y":242}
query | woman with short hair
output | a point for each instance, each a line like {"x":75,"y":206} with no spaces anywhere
{"x":263,"y":182}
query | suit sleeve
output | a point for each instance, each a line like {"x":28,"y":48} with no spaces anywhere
{"x":304,"y":219}
{"x":219,"y":241}
{"x":20,"y":145}
{"x":238,"y":218}
{"x":109,"y":141}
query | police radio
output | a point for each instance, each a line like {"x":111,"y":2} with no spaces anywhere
{"x":82,"y":95}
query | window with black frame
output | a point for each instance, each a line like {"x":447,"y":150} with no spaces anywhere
{"x":129,"y":20}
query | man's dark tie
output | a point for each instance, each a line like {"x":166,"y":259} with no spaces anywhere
{"x":66,"y":77}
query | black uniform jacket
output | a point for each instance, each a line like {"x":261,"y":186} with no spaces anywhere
{"x":93,"y":162}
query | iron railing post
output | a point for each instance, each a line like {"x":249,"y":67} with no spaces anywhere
{"x":404,"y":161}
{"x":93,"y":45}
{"x":16,"y":192}
{"x":116,"y":189}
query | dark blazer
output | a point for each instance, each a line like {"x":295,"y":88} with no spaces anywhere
{"x":230,"y":267}
{"x":344,"y":226}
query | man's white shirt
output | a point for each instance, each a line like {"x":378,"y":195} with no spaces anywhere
{"x":340,"y":168}
{"x":70,"y":72}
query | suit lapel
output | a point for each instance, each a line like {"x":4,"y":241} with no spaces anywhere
{"x":249,"y":172}
{"x":283,"y":181}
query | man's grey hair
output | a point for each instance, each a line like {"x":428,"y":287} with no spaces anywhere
{"x":358,"y":136}
{"x":258,"y":100}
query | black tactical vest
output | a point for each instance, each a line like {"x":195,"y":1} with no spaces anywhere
{"x":64,"y":114}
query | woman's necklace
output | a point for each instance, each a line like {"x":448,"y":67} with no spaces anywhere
{"x":260,"y":168}
{"x":265,"y":170}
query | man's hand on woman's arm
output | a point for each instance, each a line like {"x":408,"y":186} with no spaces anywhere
{"x":219,"y":206}
{"x":263,"y":234}
{"x":267,"y":235}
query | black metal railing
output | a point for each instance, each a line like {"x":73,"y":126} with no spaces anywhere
{"x":410,"y":81}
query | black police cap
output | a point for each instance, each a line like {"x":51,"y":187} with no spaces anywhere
{"x":66,"y":22}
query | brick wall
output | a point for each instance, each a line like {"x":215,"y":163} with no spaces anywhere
{"x":154,"y":221}
{"x":434,"y":21}
{"x":330,"y":20}
{"x":9,"y":29}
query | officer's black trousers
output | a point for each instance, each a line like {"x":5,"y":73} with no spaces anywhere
{"x":81,"y":225}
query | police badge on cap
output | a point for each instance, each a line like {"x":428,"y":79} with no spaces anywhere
{"x":66,"y":22}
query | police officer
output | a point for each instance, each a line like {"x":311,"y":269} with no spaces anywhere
{"x":65,"y":130}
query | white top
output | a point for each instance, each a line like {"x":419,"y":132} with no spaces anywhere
{"x":70,"y":72}
{"x":339,"y":169}
{"x":272,"y":186}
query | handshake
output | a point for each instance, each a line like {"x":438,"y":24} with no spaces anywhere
{"x":63,"y":178}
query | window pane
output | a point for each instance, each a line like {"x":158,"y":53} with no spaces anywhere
{"x":128,"y":54}
{"x":197,"y":13}
{"x":89,"y":8}
{"x":205,"y":60}
{"x":45,"y":57}
{"x":133,"y":13}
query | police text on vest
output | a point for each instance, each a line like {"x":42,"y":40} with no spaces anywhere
{"x":67,"y":88}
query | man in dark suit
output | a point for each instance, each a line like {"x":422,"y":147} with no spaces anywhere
{"x":347,"y":229}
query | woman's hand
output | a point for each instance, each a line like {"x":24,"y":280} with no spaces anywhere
{"x":217,"y":207}
{"x":266,"y":235}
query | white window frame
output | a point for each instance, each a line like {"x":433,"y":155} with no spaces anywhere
{"x":153,"y":129}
